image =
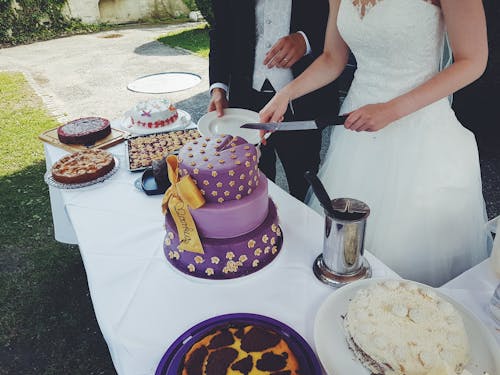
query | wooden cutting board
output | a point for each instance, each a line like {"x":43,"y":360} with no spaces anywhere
{"x":116,"y":136}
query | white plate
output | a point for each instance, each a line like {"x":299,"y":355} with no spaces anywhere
{"x":338,"y":359}
{"x":210,"y":125}
{"x":162,"y":83}
{"x":125,"y":123}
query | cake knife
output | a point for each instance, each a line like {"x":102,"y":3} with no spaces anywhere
{"x":319,"y":123}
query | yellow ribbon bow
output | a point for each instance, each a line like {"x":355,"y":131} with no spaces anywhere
{"x":183,"y":193}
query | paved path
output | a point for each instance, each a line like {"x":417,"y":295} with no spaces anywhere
{"x":87,"y":75}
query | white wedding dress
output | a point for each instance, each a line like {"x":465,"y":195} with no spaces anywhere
{"x":420,"y":175}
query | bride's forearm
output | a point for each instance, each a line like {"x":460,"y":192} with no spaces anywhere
{"x":448,"y":81}
{"x":321,"y":72}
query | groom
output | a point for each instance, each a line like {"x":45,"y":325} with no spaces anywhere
{"x":256,"y":48}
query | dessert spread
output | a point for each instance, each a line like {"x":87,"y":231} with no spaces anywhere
{"x":83,"y":166}
{"x":154,"y":114}
{"x":400,"y":327}
{"x":245,"y":349}
{"x":84,"y":131}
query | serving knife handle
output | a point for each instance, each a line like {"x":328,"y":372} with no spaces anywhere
{"x":330,"y":120}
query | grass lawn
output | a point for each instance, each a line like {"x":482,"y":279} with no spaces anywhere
{"x":195,"y":39}
{"x":47,"y":324}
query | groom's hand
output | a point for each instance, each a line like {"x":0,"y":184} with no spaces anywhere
{"x":218,"y":102}
{"x":286,"y":51}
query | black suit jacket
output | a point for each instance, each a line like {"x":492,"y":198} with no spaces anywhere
{"x":232,"y":52}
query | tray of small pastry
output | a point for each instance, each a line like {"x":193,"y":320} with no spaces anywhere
{"x":141,"y":150}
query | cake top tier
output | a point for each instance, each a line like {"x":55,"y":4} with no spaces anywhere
{"x":223,"y":167}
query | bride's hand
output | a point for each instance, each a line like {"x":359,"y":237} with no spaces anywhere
{"x":371,"y":117}
{"x":274,"y":111}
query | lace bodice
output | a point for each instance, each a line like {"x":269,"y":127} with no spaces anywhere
{"x":398,"y":45}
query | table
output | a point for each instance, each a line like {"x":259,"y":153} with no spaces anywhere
{"x":142,"y":304}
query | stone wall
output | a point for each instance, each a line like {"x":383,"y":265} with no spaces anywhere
{"x":123,"y":11}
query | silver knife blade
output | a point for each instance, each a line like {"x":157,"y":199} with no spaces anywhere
{"x":276,"y":126}
{"x":319,"y":123}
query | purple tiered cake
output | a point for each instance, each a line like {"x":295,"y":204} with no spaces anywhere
{"x":238,"y":225}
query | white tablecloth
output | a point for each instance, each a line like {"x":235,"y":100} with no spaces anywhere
{"x":142,"y":304}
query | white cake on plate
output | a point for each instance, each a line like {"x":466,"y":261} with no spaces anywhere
{"x":154,"y":114}
{"x":403,"y":328}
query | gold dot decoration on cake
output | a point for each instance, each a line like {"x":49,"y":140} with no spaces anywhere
{"x":232,"y":183}
{"x":174,"y":255}
{"x":202,"y":192}
{"x":250,"y":182}
{"x":274,"y":249}
{"x":198,"y":259}
{"x":237,"y":162}
{"x":238,"y":196}
{"x":230,"y":255}
{"x":202,"y":151}
{"x":251,"y":244}
{"x":241,"y":188}
{"x":265,"y":238}
{"x":206,"y":183}
{"x":196,"y":171}
{"x":205,"y":159}
{"x":233,"y":157}
{"x":214,"y":193}
{"x":267,"y":249}
{"x":258,"y":252}
{"x":215,"y":260}
{"x":167,"y":241}
{"x":273,"y":241}
{"x":209,"y":271}
{"x":220,"y":200}
{"x":191,"y":267}
{"x":242,"y":176}
{"x":214,"y":173}
{"x":255,"y":263}
{"x":243,"y":258}
{"x":231,"y":173}
{"x":222,"y":161}
{"x":248,"y":164}
{"x":249,"y":191}
{"x":171,"y":235}
{"x":209,"y":166}
{"x":193,"y":164}
{"x":227,"y":193}
{"x":218,"y":184}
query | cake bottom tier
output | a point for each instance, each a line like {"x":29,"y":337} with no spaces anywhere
{"x":227,"y":258}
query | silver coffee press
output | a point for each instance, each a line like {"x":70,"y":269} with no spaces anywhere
{"x":342,"y":260}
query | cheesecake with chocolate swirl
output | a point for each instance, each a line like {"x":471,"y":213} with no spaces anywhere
{"x":244,"y":349}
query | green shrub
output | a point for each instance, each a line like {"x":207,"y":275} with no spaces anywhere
{"x":205,"y":7}
{"x":26,"y":21}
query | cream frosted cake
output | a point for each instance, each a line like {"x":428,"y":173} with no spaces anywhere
{"x":154,"y":114}
{"x":399,"y":327}
{"x":238,"y":224}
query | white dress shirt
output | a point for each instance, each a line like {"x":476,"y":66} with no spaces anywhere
{"x":272,"y":22}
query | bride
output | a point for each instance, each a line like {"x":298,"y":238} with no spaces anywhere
{"x":401,"y":149}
